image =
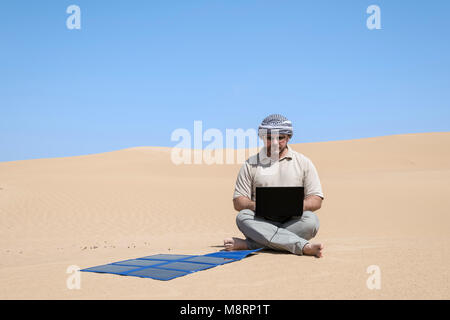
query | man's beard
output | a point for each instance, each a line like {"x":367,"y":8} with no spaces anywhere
{"x":275,"y":153}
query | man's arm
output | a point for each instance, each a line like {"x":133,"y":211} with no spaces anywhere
{"x":312,"y":203}
{"x":242,"y":203}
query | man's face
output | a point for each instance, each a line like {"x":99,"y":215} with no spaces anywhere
{"x":275,"y":143}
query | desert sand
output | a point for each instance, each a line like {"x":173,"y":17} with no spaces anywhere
{"x":387,"y":203}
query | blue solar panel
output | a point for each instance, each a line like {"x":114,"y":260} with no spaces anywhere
{"x":238,"y":255}
{"x":170,"y":266}
{"x":158,"y":274}
{"x":168,"y":257}
{"x":210,"y":260}
{"x":111,"y":268}
{"x":139,"y":262}
{"x":185,"y":266}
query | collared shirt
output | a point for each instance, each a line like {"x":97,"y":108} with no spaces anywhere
{"x":292,"y":170}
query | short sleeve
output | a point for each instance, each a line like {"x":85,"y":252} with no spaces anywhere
{"x":243,"y":182}
{"x":311,"y":181}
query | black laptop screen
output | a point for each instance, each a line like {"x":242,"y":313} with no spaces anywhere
{"x":279,"y":201}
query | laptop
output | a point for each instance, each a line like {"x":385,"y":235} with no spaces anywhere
{"x":279,"y":203}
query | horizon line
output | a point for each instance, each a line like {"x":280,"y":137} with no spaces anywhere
{"x":193,"y":149}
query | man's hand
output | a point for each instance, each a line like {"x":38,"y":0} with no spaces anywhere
{"x":312,"y":203}
{"x":242,"y":203}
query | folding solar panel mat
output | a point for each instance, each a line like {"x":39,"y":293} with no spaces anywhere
{"x":169,"y":266}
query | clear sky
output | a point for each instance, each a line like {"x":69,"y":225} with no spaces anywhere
{"x":138,"y":70}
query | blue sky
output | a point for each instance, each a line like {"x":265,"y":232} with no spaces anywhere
{"x":138,"y":70}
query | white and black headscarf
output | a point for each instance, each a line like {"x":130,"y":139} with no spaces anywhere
{"x":275,"y":123}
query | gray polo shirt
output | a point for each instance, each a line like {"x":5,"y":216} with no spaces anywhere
{"x":293,"y":170}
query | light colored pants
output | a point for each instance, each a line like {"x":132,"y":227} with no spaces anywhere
{"x":291,"y":235}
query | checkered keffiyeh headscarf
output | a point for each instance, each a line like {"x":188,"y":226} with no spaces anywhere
{"x":275,"y":122}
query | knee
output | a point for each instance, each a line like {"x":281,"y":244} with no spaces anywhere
{"x":311,"y":222}
{"x":243,"y":215}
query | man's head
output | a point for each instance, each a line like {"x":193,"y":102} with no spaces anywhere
{"x":275,"y":130}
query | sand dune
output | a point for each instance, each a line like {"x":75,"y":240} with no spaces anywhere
{"x":386,"y":203}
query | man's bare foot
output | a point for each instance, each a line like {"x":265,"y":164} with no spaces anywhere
{"x":313,"y":249}
{"x":235,"y":244}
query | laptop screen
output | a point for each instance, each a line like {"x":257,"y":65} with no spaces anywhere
{"x":279,"y":202}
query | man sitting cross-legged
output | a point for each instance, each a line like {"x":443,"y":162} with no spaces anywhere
{"x":277,"y":165}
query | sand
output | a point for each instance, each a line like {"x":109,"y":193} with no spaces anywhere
{"x":387,"y":203}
